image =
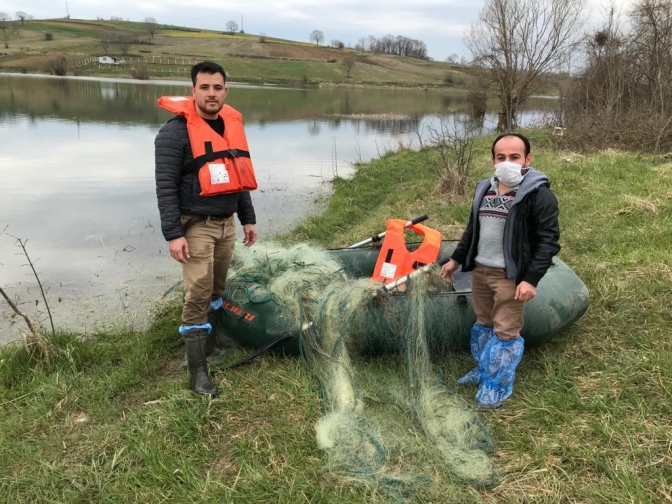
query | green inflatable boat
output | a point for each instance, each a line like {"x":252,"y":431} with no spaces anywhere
{"x":562,"y":298}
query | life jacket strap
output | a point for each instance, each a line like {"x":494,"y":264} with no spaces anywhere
{"x":195,"y":164}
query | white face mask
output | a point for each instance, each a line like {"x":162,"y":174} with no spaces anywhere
{"x":509,"y":173}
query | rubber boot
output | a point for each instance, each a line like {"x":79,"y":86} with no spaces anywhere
{"x":195,"y":339}
{"x":214,"y":315}
{"x":498,"y":364}
{"x":478,"y":338}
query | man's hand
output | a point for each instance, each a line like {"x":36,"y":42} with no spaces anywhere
{"x":179,"y":249}
{"x":448,"y":269}
{"x":525,"y":291}
{"x":250,"y":235}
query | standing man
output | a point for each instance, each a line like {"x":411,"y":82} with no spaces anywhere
{"x":203,"y":176}
{"x":509,"y":244}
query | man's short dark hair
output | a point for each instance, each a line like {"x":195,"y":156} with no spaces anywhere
{"x":208,"y":67}
{"x":528,"y":149}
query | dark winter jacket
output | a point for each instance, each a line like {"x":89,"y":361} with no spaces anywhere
{"x":178,"y":191}
{"x":531,"y":232}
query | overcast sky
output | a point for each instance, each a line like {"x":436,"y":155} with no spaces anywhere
{"x":441,"y":24}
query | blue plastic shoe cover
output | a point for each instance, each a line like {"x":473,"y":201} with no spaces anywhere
{"x":186,"y":329}
{"x":478,"y":338}
{"x":473,"y":377}
{"x":216,"y":305}
{"x":498,"y":371}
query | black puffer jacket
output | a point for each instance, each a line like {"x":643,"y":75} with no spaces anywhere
{"x":178,"y":193}
{"x":531,"y":232}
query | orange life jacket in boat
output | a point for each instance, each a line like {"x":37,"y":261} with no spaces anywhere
{"x":223,"y":163}
{"x":395,"y":261}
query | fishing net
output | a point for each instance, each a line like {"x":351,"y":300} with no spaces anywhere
{"x":388,"y":418}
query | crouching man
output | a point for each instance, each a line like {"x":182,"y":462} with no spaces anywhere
{"x":509,"y":244}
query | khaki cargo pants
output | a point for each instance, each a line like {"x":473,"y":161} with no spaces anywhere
{"x":492,"y":295}
{"x":211,"y":243}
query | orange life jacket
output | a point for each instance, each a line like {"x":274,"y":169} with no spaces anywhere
{"x":395,"y":261}
{"x":223,"y":163}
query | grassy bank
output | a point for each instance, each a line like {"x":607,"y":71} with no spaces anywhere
{"x":110,"y":420}
{"x":248,"y":58}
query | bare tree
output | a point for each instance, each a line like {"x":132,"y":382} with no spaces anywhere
{"x":151,"y":25}
{"x":231,"y":27}
{"x":623,"y":94}
{"x":124,"y":42}
{"x":349,"y":62}
{"x":316,"y":36}
{"x":651,"y":45}
{"x":361,"y":45}
{"x":4,"y":22}
{"x":21,"y":16}
{"x":337,"y":44}
{"x":105,"y":40}
{"x":520,"y":40}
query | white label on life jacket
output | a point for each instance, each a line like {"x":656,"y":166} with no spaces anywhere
{"x":178,"y":98}
{"x":388,"y":270}
{"x":218,"y":174}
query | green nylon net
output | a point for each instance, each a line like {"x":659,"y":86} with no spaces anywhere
{"x":387,"y":419}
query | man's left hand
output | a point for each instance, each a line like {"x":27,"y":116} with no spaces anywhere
{"x":250,"y":235}
{"x":525,"y":291}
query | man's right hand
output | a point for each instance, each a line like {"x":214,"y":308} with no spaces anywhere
{"x":448,"y":269}
{"x":179,"y":249}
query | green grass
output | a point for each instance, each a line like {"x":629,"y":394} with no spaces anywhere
{"x":111,"y":420}
{"x":59,"y":28}
{"x":248,"y":60}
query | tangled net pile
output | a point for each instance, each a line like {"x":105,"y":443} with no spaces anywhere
{"x":386,"y":419}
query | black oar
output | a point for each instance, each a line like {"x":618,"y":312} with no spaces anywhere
{"x":380,"y":236}
{"x":294,"y":333}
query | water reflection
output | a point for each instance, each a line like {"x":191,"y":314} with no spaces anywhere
{"x":77,"y":171}
{"x":128,"y":102}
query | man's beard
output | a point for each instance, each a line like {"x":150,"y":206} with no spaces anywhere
{"x":210,"y":111}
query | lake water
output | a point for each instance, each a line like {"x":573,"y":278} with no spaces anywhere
{"x":77,"y":181}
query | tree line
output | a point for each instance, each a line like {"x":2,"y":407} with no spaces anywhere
{"x":395,"y":45}
{"x":624,"y":91}
{"x":615,"y":81}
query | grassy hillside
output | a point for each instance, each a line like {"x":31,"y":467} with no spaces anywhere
{"x":111,"y":420}
{"x":248,"y":58}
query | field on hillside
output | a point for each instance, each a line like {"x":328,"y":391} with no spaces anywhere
{"x":247,"y":57}
{"x":590,"y":420}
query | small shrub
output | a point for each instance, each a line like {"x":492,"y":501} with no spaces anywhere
{"x":140,"y":73}
{"x":48,"y":36}
{"x":144,"y":51}
{"x":477,"y":99}
{"x":304,"y":80}
{"x":57,"y":66}
{"x":449,"y":152}
{"x":262,"y":38}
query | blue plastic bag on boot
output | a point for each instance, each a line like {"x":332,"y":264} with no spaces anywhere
{"x":498,"y":364}
{"x":478,"y":337}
